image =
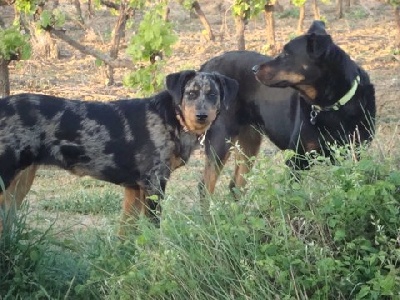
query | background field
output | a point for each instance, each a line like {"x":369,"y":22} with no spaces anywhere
{"x":76,"y":208}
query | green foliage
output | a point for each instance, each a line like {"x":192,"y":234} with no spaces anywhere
{"x":395,"y":51}
{"x":187,"y":4}
{"x":55,"y":18}
{"x":138,"y":4}
{"x":247,"y":9}
{"x":26,"y":6}
{"x":154,"y":38}
{"x":33,"y":265}
{"x":340,"y":227}
{"x":289,"y":13}
{"x":357,"y":13}
{"x":299,"y":3}
{"x":333,"y":235}
{"x":105,"y":200}
{"x":13,"y":44}
{"x":147,"y":79}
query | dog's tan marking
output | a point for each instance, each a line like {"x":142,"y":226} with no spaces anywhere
{"x":211,"y":173}
{"x":189,"y":115}
{"x":308,"y":91}
{"x":17,"y":190}
{"x":289,"y":76}
{"x":134,"y":204}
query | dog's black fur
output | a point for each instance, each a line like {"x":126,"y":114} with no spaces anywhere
{"x":275,"y":98}
{"x":135,"y":143}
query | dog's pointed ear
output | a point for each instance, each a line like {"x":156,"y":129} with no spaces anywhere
{"x":317,"y":27}
{"x":317,"y":44}
{"x":175,"y":84}
{"x":229,"y":88}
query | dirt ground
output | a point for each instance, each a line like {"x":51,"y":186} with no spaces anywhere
{"x":367,"y":33}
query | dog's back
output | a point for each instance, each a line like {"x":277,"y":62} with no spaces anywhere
{"x":112,"y":141}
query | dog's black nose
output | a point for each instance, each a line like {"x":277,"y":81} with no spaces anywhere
{"x":256,"y":68}
{"x":201,"y":116}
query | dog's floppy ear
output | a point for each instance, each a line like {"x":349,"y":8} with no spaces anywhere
{"x":317,"y":27}
{"x":176,"y":82}
{"x":317,"y":44}
{"x":229,"y":88}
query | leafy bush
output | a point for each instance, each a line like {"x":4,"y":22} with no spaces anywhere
{"x":33,"y":264}
{"x":332,"y":236}
{"x":247,"y":9}
{"x":13,"y":44}
{"x":153,"y":41}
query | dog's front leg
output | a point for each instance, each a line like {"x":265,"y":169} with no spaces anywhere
{"x":134,"y":204}
{"x":155,"y":194}
{"x":304,"y":139}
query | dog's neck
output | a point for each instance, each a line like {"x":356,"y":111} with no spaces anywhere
{"x":342,"y":101}
{"x":182,"y":123}
{"x":316,"y":109}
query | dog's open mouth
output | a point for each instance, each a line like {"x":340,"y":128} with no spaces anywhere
{"x":280,"y":84}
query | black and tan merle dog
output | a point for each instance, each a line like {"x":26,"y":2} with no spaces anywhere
{"x":135,"y":143}
{"x":311,"y":94}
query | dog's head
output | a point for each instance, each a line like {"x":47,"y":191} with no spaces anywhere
{"x":199,"y":96}
{"x":317,"y":27}
{"x":301,"y":62}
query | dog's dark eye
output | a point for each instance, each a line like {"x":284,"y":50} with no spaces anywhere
{"x":191,"y":94}
{"x":212,"y":97}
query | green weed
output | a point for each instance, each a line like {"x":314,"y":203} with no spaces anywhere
{"x":34,"y":263}
{"x":357,"y":13}
{"x":331,"y":235}
{"x":87,"y":201}
{"x":289,"y":13}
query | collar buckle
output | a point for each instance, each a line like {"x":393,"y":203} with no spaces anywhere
{"x":316,"y":109}
{"x":314,"y":114}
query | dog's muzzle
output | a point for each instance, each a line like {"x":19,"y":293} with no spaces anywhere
{"x":201,"y":117}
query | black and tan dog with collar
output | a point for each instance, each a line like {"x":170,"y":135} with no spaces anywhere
{"x":134,"y":143}
{"x":309,"y":96}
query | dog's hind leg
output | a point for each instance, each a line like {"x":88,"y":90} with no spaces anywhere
{"x":249,"y":141}
{"x":12,"y":197}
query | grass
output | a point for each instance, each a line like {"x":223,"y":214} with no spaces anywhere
{"x":334,"y":235}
